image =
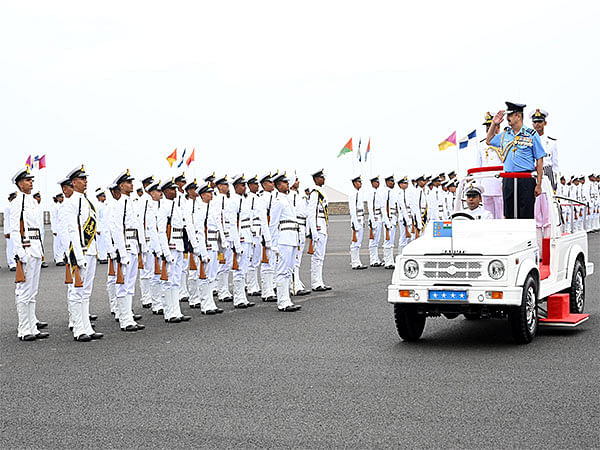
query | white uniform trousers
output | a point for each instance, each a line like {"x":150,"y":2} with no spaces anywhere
{"x":239,"y":276}
{"x":297,"y":284}
{"x":102,"y":246}
{"x":316,"y":262}
{"x":192,"y":280}
{"x":254,"y":264}
{"x":388,"y":244}
{"x":223,"y":274}
{"x":403,"y":237}
{"x":374,"y":243}
{"x":267,"y":273}
{"x":285,"y":268}
{"x":207,"y":302}
{"x":355,"y":248}
{"x":10,"y":254}
{"x":495,"y":205}
{"x":124,"y":292}
{"x":58,"y":257}
{"x":25,"y":297}
{"x":185,"y":269}
{"x":146,"y":275}
{"x":79,"y":299}
{"x":170,"y":287}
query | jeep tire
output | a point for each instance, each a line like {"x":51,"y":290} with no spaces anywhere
{"x":524,"y":318}
{"x":409,"y":323}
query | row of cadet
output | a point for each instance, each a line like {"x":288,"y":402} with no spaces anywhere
{"x":182,"y":237}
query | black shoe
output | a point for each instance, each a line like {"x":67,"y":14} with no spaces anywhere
{"x":319,"y":289}
{"x":379,"y":264}
{"x":158,"y":313}
{"x":42,"y":335}
{"x":44,"y":264}
{"x":116,"y":319}
{"x":139,"y":326}
{"x":184,"y":299}
{"x":112,"y":312}
{"x":14,"y":269}
{"x":146,"y":305}
{"x":254,"y":294}
{"x":137,"y":317}
{"x":70,"y":328}
{"x":391,"y":266}
{"x":241,"y":306}
{"x":173,"y":320}
{"x":226,"y":299}
{"x":196,"y":306}
{"x":27,"y":337}
{"x":96,"y":336}
{"x":327,"y":288}
{"x":361,"y":267}
{"x":82,"y":338}
{"x":93,"y":317}
{"x":210,"y":312}
{"x":102,"y":261}
{"x":250,"y":304}
{"x":303,"y":292}
{"x":219,"y":311}
{"x":269,"y":299}
{"x":41,"y":325}
{"x":290,"y":308}
{"x":60,"y":263}
{"x":130,"y":328}
{"x":186,"y":318}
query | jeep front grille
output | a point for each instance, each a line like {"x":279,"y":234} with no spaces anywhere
{"x":455,"y":270}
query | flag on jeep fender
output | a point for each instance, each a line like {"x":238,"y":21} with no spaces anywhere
{"x":442,"y":228}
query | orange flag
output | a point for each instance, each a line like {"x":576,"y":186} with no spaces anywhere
{"x":172,"y":158}
{"x":191,"y":158}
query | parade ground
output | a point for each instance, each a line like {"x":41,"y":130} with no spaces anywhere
{"x":334,"y":374}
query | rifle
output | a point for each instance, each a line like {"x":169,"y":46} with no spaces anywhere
{"x":120,"y":279}
{"x":156,"y":265}
{"x":265,"y":257}
{"x":68,"y":273}
{"x":202,"y":271}
{"x":111,"y":267}
{"x":354,"y":238}
{"x":164,"y":276}
{"x":311,"y":249}
{"x":193,"y":265}
{"x":235,"y":265}
{"x":78,"y":281}
{"x":140,"y":260}
{"x":387,"y":234}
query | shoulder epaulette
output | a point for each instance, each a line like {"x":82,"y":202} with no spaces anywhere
{"x":530,"y":131}
{"x":551,"y":138}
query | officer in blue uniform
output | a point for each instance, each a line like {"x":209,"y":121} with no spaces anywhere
{"x":521,"y":150}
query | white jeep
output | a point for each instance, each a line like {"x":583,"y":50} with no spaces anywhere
{"x":489,"y":269}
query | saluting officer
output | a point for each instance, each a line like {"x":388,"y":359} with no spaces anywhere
{"x":28,"y":249}
{"x":129,"y":240}
{"x":317,"y":215}
{"x":521,"y":151}
{"x":356,"y":205}
{"x":81,"y":222}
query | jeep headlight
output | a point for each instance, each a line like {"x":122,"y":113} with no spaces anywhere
{"x":411,"y":268}
{"x":496,"y":269}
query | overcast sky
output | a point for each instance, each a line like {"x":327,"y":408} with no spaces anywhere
{"x":257,"y":85}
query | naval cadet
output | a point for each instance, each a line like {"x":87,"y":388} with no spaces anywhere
{"x":374,"y":205}
{"x":538,"y":118}
{"x":28,"y":250}
{"x":356,"y":204}
{"x":81,"y":223}
{"x":522,"y":151}
{"x":317,"y":215}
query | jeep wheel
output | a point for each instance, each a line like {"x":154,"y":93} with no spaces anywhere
{"x":577,"y":290}
{"x":524,"y":318}
{"x":409,"y":323}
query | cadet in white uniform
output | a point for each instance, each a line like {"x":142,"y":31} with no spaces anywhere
{"x":209,"y":228}
{"x":111,"y":288}
{"x":28,"y":250}
{"x":422,"y":202}
{"x":10,"y":248}
{"x":489,"y":156}
{"x":538,"y":118}
{"x":143,"y":206}
{"x":406,"y":213}
{"x":54,"y":218}
{"x":300,"y":205}
{"x":474,"y":208}
{"x":374,"y":206}
{"x":220,"y":200}
{"x":317,"y":215}
{"x":390,"y":219}
{"x":356,"y":205}
{"x":156,"y":293}
{"x":129,"y":240}
{"x":103,"y":225}
{"x":192,"y":242}
{"x":38,"y":199}
{"x":81,"y":222}
{"x":239,"y":212}
{"x":184,"y":293}
{"x":260,"y":229}
{"x":267,"y":269}
{"x":170,"y":234}
{"x":285,"y":240}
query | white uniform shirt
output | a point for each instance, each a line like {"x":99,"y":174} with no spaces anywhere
{"x":78,"y":210}
{"x":356,"y":206}
{"x":125,"y":227}
{"x":284,"y":217}
{"x":488,"y":156}
{"x":25,"y":206}
{"x":169,"y":213}
{"x":479,"y":213}
{"x":551,"y":149}
{"x":317,"y":212}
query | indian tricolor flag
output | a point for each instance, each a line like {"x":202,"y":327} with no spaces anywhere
{"x":448,"y":142}
{"x":347,"y":148}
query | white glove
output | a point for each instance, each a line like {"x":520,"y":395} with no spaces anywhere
{"x":125,"y":259}
{"x":275,"y":250}
{"x":205,"y":259}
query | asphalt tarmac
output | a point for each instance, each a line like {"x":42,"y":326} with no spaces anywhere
{"x":334,"y":374}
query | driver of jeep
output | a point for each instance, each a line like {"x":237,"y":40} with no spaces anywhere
{"x":474,"y":207}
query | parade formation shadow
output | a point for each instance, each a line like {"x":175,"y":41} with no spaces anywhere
{"x":332,"y":375}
